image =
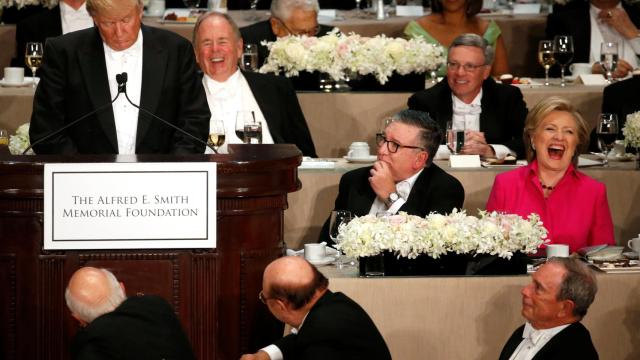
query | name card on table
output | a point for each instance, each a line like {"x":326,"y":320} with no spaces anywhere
{"x":591,"y":79}
{"x":409,"y":10}
{"x":526,"y":9}
{"x":465,"y":161}
{"x":129,"y":205}
{"x":325,"y":15}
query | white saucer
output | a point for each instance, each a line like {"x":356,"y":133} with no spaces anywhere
{"x":619,"y":157}
{"x":362,"y":160}
{"x":326,"y":261}
{"x":630,"y":255}
{"x":28,"y":80}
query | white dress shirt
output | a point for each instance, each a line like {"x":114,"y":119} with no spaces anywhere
{"x":467,"y":117}
{"x":533,"y":340}
{"x":629,"y":50}
{"x":274,"y":352}
{"x":403,"y":189}
{"x":74,"y":20}
{"x":225,"y":99}
{"x":125,"y":115}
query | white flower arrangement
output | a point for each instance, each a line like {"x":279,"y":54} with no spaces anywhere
{"x":19,"y":142}
{"x":22,"y":3}
{"x":409,"y":236}
{"x":338,"y":54}
{"x":631,"y":130}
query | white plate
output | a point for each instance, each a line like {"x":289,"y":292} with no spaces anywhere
{"x":631,"y":255}
{"x":619,"y":158}
{"x":28,"y":80}
{"x":326,"y":261}
{"x":362,"y":160}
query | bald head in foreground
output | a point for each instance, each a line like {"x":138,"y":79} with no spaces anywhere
{"x":117,"y":327}
{"x":327,"y":325}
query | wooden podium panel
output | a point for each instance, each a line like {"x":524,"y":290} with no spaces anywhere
{"x":214,"y":292}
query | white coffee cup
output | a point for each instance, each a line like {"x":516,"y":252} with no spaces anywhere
{"x":634,"y":244}
{"x":315,"y":251}
{"x":557,"y":250}
{"x":618,"y":149}
{"x":358,"y":150}
{"x":14,"y":75}
{"x":156,"y":8}
{"x":580,"y":69}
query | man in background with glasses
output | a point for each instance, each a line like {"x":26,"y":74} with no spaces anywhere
{"x":404,"y":178}
{"x":491,"y":114}
{"x":288,"y":17}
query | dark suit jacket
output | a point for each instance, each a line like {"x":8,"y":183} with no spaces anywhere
{"x":142,"y":327}
{"x":279,"y":105}
{"x":434,"y":191}
{"x":74,"y":82}
{"x":336,"y":328}
{"x":36,"y":28}
{"x":502,"y":117}
{"x":574,"y":342}
{"x":574,"y":20}
{"x":619,"y":98}
{"x":260,"y":31}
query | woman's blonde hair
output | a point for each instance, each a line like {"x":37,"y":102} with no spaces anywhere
{"x":541,"y":111}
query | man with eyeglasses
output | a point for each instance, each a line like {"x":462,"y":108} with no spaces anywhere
{"x":491,"y":114}
{"x":404,"y":178}
{"x":288,"y":17}
{"x":326,"y":325}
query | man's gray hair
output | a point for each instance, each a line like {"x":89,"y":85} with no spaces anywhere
{"x":89,"y":312}
{"x":281,"y":9}
{"x":203,"y":17}
{"x":430,"y":133}
{"x":578,"y":285}
{"x":475,"y":41}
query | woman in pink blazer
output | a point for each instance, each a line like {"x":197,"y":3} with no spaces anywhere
{"x":572,"y":206}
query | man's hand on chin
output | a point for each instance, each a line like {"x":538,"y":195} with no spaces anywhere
{"x":260,"y":355}
{"x":381,"y":180}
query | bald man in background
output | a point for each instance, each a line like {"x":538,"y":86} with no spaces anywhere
{"x":117,"y":327}
{"x":326,"y":325}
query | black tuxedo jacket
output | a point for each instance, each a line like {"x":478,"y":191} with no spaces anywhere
{"x":36,"y":28}
{"x":574,"y":20}
{"x":502,"y":117}
{"x":142,"y":327}
{"x":434,"y":191}
{"x":74,"y":82}
{"x":619,"y":98}
{"x":336,"y":328}
{"x":574,"y":342}
{"x":260,"y":31}
{"x":279,"y":105}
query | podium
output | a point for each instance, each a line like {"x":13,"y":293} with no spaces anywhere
{"x":214,"y":292}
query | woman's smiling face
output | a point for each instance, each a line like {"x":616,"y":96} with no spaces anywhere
{"x":555,"y":140}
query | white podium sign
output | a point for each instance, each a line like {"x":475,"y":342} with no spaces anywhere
{"x":129,"y":205}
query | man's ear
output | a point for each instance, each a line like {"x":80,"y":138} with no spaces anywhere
{"x":566,"y":308}
{"x":124,"y":291}
{"x":421,"y":159}
{"x":276,"y":27}
{"x":80,"y":321}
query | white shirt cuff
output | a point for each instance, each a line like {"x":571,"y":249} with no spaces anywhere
{"x":502,"y":151}
{"x":393,"y":209}
{"x":273,"y":352}
{"x":635,"y":44}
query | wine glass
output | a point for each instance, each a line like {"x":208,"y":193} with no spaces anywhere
{"x":253,"y":16}
{"x":216,"y":133}
{"x":249,"y":57}
{"x":607,"y":132}
{"x":33,"y":58}
{"x":248,"y":128}
{"x":609,"y":58}
{"x":338,"y":217}
{"x":563,"y":53}
{"x":4,"y":137}
{"x":358,"y":11}
{"x":192,"y":5}
{"x":545,"y":58}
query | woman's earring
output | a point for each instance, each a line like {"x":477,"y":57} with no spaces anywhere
{"x":533,"y":146}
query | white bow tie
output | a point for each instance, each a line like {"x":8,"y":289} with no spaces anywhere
{"x":532,"y":334}
{"x":466,"y":109}
{"x":403,"y":188}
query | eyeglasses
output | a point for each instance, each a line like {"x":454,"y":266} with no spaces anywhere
{"x":393,"y":146}
{"x":467,"y":67}
{"x":262,"y":298}
{"x":311,"y":32}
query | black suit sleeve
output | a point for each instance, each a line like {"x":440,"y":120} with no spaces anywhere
{"x":298,"y":131}
{"x":517,"y":113}
{"x":48,"y":105}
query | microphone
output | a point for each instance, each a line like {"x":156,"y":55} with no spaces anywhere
{"x":122,"y":87}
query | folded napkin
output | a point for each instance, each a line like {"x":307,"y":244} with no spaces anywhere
{"x":312,"y":163}
{"x":584,"y":162}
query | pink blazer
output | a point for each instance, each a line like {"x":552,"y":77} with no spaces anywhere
{"x":576,"y":212}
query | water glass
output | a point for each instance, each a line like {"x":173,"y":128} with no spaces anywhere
{"x":248,"y":128}
{"x":609,"y":58}
{"x":455,"y":137}
{"x":249,"y":57}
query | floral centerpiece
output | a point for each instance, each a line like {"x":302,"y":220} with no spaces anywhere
{"x":631,"y":132}
{"x":19,"y":142}
{"x":338,"y":55}
{"x":436,"y":236}
{"x":22,"y":3}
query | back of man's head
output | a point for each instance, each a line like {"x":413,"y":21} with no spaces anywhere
{"x":282,"y":8}
{"x":475,"y":40}
{"x":93,"y":292}
{"x":430,"y":133}
{"x":294,"y":280}
{"x":578,"y":285}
